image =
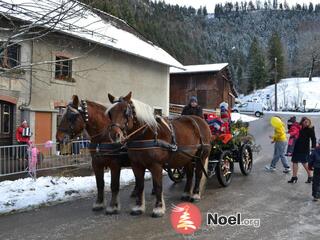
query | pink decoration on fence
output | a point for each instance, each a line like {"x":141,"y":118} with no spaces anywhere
{"x":33,"y":158}
{"x":48,"y":144}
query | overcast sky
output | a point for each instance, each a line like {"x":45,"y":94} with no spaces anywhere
{"x":211,"y":3}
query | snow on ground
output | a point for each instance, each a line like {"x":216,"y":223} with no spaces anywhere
{"x":244,"y":118}
{"x":291,"y":93}
{"x":24,"y":194}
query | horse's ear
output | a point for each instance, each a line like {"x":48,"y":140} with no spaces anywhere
{"x":75,"y":100}
{"x":128,"y":97}
{"x":111,"y":98}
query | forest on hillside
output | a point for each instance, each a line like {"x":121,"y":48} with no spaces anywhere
{"x":261,"y":41}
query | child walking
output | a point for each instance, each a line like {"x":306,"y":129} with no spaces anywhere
{"x":280,"y":141}
{"x":293,"y":130}
{"x":314,"y":163}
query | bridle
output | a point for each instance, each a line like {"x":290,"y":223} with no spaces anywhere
{"x":129,"y":113}
{"x":71,"y":115}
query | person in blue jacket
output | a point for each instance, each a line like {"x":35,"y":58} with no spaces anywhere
{"x":314,"y":163}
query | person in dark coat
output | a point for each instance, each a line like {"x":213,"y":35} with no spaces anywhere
{"x":314,"y":164}
{"x":193,"y":108}
{"x":301,"y":149}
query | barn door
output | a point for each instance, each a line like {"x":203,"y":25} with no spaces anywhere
{"x":43,"y":127}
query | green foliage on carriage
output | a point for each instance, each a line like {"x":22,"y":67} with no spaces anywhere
{"x":240,"y":136}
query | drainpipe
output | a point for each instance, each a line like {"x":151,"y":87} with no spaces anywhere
{"x":24,"y":106}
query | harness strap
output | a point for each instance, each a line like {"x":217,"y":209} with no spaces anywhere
{"x":110,"y":149}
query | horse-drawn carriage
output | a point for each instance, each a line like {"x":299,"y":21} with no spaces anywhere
{"x":184,"y":144}
{"x":226,"y":149}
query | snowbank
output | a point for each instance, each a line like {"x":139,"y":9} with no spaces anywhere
{"x":23,"y":194}
{"x":291,"y":93}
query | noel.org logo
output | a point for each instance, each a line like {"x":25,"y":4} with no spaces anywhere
{"x":185,"y":218}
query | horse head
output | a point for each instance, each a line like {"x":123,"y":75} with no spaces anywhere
{"x":128,"y":115}
{"x":73,"y":121}
{"x":121,"y":116}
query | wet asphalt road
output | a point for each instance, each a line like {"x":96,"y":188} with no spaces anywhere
{"x":285,"y":211}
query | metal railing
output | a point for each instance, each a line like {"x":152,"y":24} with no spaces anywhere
{"x":176,"y":109}
{"x":16,"y":159}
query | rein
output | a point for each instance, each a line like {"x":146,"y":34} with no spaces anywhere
{"x":127,"y":138}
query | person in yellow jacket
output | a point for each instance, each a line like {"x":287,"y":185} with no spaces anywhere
{"x":279,"y":139}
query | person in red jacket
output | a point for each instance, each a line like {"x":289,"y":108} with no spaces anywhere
{"x":23,"y":135}
{"x":293,"y":130}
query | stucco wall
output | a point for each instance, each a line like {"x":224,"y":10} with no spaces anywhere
{"x":97,"y":71}
{"x":14,"y":85}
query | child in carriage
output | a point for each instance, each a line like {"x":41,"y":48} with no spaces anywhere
{"x":220,"y":126}
{"x":293,"y":130}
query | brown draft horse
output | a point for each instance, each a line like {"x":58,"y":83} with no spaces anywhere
{"x":90,"y":116}
{"x":155,"y":143}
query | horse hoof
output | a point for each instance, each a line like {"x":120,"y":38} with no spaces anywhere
{"x":112,"y":211}
{"x":136,"y":212}
{"x":185,"y":198}
{"x":97,"y":207}
{"x":195,"y":198}
{"x":158,"y":212}
{"x":157,"y":215}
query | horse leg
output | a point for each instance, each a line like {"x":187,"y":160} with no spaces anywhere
{"x":199,"y":175}
{"x":186,"y":196}
{"x":159,"y":209}
{"x":99,"y":174}
{"x":139,"y":208}
{"x":134,"y":191}
{"x":114,"y":206}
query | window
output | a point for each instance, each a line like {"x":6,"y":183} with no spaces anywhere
{"x":63,"y":69}
{"x":10,"y":56}
{"x":157,"y":111}
{"x":6,"y":118}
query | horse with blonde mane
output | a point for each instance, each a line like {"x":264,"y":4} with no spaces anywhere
{"x":155,"y":143}
{"x":90,"y":116}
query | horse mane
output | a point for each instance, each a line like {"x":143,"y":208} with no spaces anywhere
{"x":144,"y":113}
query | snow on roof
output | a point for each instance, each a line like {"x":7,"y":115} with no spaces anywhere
{"x":199,"y":68}
{"x":87,"y":24}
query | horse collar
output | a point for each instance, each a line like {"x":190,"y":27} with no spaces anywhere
{"x":84,"y":110}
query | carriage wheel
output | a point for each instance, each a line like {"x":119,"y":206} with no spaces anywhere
{"x":176,"y":174}
{"x":246,"y":159}
{"x":225,"y":168}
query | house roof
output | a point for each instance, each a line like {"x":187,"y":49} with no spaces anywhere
{"x":199,"y":68}
{"x":89,"y":24}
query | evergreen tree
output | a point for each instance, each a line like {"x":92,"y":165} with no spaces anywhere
{"x":257,"y":67}
{"x":205,"y":11}
{"x":275,"y":51}
{"x":310,"y":7}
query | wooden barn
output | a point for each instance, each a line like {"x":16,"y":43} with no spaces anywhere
{"x":211,"y":83}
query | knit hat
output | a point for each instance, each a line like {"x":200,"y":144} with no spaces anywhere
{"x":224,"y":105}
{"x":193,"y":99}
{"x":293,"y":119}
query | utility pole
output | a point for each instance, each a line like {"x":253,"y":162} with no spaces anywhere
{"x":275,"y":86}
